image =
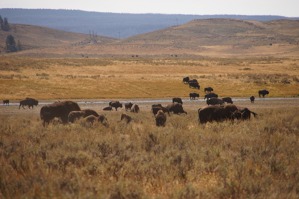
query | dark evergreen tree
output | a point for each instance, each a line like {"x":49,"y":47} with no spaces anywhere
{"x":5,"y":25}
{"x":1,"y":23}
{"x":11,"y":44}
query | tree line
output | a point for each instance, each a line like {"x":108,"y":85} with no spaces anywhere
{"x":10,"y":43}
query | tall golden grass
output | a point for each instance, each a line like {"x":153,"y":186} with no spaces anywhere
{"x":248,"y":159}
{"x":74,"y":78}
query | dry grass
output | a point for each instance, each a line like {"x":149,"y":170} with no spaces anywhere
{"x":107,"y":78}
{"x":251,"y":159}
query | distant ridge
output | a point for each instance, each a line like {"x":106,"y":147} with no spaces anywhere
{"x":114,"y":25}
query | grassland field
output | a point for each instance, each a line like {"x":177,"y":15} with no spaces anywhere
{"x":119,"y":78}
{"x":257,"y":158}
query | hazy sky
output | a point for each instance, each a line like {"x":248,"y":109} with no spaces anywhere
{"x":289,"y":8}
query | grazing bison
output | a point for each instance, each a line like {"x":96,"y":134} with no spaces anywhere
{"x":60,"y":110}
{"x":5,"y":102}
{"x":193,"y":96}
{"x":216,"y":113}
{"x":107,"y":108}
{"x":252,"y":98}
{"x":100,"y":119}
{"x":177,"y":99}
{"x":126,"y":118}
{"x":210,"y":95}
{"x":160,"y":118}
{"x":135,"y":108}
{"x":227,"y":100}
{"x":30,"y":102}
{"x":208,"y":89}
{"x":194,"y":84}
{"x":215,"y":101}
{"x":246,"y":113}
{"x":115,"y":104}
{"x":175,"y":108}
{"x":186,"y":80}
{"x":157,"y":107}
{"x":221,"y":113}
{"x":128,"y":106}
{"x":263,"y":93}
{"x":75,"y":115}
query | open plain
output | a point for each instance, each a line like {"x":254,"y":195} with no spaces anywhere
{"x":256,"y":158}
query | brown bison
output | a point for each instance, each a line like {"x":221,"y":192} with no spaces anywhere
{"x":177,"y":99}
{"x":100,"y":119}
{"x":252,"y":98}
{"x":160,"y":118}
{"x":193,"y":96}
{"x":263,"y":93}
{"x":227,"y":100}
{"x":186,"y":80}
{"x":128,"y":106}
{"x":214,"y":101}
{"x":107,"y":108}
{"x":59,"y":110}
{"x":30,"y":102}
{"x":75,"y":115}
{"x":126,"y":118}
{"x":135,"y":108}
{"x":222,"y":113}
{"x":210,"y":95}
{"x":157,"y":107}
{"x":175,"y":108}
{"x":208,"y":89}
{"x":216,"y":113}
{"x":6,"y":102}
{"x":115,"y":104}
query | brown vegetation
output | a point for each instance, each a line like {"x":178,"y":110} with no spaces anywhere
{"x":247,"y":159}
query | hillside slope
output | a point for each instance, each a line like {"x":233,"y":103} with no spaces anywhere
{"x":32,"y":37}
{"x":208,"y":37}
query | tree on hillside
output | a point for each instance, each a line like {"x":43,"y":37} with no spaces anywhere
{"x":11,"y":44}
{"x":5,"y":25}
{"x":1,"y":22}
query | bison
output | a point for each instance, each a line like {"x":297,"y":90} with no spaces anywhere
{"x":222,"y":113}
{"x":210,"y":95}
{"x":216,"y":113}
{"x":75,"y":115}
{"x":228,"y":100}
{"x":100,"y":119}
{"x":157,"y":107}
{"x":208,"y":89}
{"x":160,"y":118}
{"x":175,"y":108}
{"x":135,"y":108}
{"x":252,"y":98}
{"x":115,"y":104}
{"x":107,"y":108}
{"x":263,"y":93}
{"x":186,"y":80}
{"x":214,"y":101}
{"x":128,"y":106}
{"x":30,"y":102}
{"x":126,"y":118}
{"x":60,"y":110}
{"x":194,"y":84}
{"x":177,"y":99}
{"x":6,"y":102}
{"x":193,"y":96}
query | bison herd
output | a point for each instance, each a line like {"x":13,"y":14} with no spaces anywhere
{"x":217,"y":109}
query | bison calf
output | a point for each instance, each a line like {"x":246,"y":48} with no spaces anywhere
{"x":160,"y":118}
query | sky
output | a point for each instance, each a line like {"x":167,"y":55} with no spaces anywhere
{"x":288,"y":8}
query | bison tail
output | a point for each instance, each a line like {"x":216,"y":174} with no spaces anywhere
{"x":254,"y":114}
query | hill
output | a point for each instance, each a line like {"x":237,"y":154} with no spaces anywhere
{"x":207,"y":37}
{"x":117,"y":25}
{"x":32,"y":37}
